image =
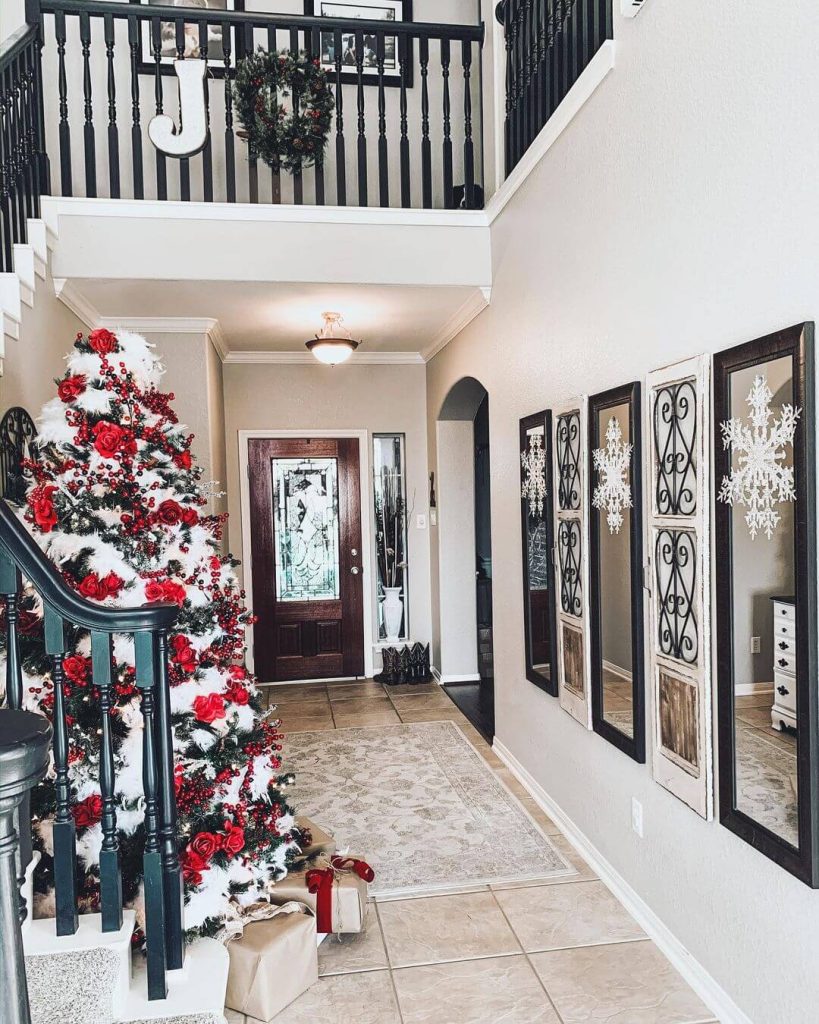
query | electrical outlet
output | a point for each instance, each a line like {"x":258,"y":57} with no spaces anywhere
{"x":637,"y":816}
{"x":756,"y":644}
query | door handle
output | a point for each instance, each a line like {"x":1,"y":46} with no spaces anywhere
{"x":354,"y":570}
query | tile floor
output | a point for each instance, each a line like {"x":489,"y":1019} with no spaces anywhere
{"x":564,"y":952}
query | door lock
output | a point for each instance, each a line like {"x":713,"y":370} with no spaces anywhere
{"x":354,"y":570}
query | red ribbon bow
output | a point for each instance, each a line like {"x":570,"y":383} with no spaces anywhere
{"x":360,"y":867}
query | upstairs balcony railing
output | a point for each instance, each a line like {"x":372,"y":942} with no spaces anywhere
{"x":65,"y":613}
{"x":549,"y":43}
{"x":87,"y":77}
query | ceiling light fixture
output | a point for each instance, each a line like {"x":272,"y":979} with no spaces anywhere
{"x":333,"y":344}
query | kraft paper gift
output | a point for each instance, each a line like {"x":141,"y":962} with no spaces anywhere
{"x":321,"y":843}
{"x":274,"y":960}
{"x":335,"y":890}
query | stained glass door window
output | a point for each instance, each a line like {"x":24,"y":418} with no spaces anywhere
{"x":306,"y":529}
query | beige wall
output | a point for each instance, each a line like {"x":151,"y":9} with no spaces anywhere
{"x":677,"y":214}
{"x":32,"y":362}
{"x":378,"y":399}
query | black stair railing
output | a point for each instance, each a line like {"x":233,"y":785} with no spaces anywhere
{"x":23,"y":163}
{"x":549,"y":43}
{"x":406,"y":127}
{"x":21,"y":558}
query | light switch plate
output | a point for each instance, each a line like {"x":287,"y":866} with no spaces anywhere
{"x":421,"y":521}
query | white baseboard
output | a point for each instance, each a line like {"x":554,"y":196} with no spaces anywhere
{"x":706,"y":987}
{"x":621,"y":673}
{"x":444,"y":680}
{"x":749,"y":689}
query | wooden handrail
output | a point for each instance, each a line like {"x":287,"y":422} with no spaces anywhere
{"x":16,"y":44}
{"x":260,"y":19}
{"x":24,"y":552}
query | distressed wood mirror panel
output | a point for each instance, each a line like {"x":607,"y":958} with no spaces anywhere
{"x":537,"y":533}
{"x":678,"y":555}
{"x":765,"y":538}
{"x":616,"y":561}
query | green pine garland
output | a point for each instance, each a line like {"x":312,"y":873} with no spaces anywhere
{"x":288,"y":137}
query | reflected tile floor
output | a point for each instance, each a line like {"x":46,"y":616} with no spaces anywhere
{"x":555,"y":951}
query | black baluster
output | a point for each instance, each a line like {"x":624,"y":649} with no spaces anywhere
{"x":404,"y":147}
{"x":136,"y":128}
{"x":571,"y":42}
{"x":171,"y":871}
{"x":275,"y":173}
{"x":554,"y":91}
{"x":469,"y":151}
{"x":449,"y":199}
{"x":88,"y":109}
{"x":512,"y":12}
{"x":341,"y":157}
{"x":606,"y":19}
{"x":230,"y":155}
{"x":161,"y":164}
{"x":589,"y":44}
{"x":42,"y":156}
{"x":26,"y":78}
{"x":64,"y":131}
{"x":18,"y":199}
{"x":542,"y":77}
{"x":10,"y":589}
{"x":7,"y":241}
{"x":184,"y":162}
{"x":110,"y":873}
{"x":383,"y":166}
{"x":362,"y":138}
{"x":426,"y":149}
{"x":526,"y":55}
{"x":508,"y":130}
{"x":314,"y":51}
{"x":64,"y":831}
{"x":559,"y":55}
{"x":113,"y":131}
{"x":207,"y":152}
{"x":10,"y":582}
{"x":152,"y":856}
{"x":298,"y":181}
{"x":252,"y":159}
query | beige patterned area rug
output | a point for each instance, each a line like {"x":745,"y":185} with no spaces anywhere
{"x":420,"y":804}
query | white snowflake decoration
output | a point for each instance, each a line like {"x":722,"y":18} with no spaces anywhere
{"x":534,"y":485}
{"x":760,"y":480}
{"x":613,"y":493}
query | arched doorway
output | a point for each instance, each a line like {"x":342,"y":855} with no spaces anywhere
{"x":465,"y":552}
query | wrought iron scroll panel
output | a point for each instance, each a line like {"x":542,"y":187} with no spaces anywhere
{"x":569,"y":548}
{"x":679,"y":531}
{"x":17,"y":431}
{"x":568,"y":462}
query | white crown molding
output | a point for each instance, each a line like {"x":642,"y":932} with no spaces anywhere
{"x":172,"y":325}
{"x":705,"y":985}
{"x":594,"y":73}
{"x":78,"y":206}
{"x":295,"y":358}
{"x":76,"y":302}
{"x":475,"y":304}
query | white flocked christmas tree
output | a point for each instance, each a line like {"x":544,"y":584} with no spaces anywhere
{"x":116,"y":501}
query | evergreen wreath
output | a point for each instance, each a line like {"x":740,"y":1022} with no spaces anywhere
{"x":289,"y":137}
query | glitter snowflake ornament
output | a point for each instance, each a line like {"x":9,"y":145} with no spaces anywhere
{"x":534,"y":484}
{"x":613,"y":493}
{"x":760,"y":480}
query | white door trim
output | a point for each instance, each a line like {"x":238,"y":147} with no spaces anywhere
{"x":363,"y":438}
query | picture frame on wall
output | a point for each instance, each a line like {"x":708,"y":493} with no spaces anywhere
{"x":364,"y":10}
{"x":192,"y":42}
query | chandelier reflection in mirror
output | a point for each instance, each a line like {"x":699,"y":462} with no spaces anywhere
{"x":333,"y":344}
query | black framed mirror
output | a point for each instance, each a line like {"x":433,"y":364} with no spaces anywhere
{"x":616,"y":563}
{"x":537,"y":533}
{"x":765,"y":553}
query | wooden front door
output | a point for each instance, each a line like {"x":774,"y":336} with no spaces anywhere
{"x":305,"y":509}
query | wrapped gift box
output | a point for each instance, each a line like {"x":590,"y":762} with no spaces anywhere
{"x":322,"y":843}
{"x":272,"y":963}
{"x":337,"y":893}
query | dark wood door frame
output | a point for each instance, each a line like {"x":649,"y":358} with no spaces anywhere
{"x":255,"y":571}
